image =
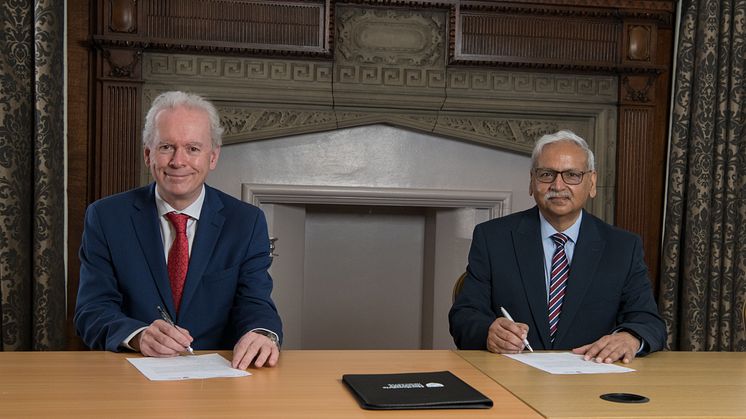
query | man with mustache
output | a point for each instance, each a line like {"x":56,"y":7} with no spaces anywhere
{"x":569,"y":280}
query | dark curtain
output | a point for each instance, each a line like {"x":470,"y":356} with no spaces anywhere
{"x":32,"y":271}
{"x":703,"y":281}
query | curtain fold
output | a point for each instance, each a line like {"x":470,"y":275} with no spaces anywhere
{"x":32,"y":270}
{"x":703,"y":273}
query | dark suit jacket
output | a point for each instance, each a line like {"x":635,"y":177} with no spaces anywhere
{"x":608,"y":287}
{"x":123,"y":274}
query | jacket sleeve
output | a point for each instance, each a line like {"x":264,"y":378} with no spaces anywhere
{"x":253,"y":307}
{"x":99,"y":319}
{"x":472,"y":314}
{"x":638,"y":312}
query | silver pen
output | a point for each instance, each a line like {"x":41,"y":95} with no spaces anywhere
{"x":507,"y":316}
{"x":167,"y":318}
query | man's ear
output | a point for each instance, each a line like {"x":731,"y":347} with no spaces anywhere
{"x":214,"y":156}
{"x":593,"y":184}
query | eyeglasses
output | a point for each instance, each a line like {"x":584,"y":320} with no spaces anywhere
{"x":570,"y":177}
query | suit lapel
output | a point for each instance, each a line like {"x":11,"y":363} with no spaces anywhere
{"x":147,"y":229}
{"x":529,"y":253}
{"x":208,"y":229}
{"x":586,"y":257}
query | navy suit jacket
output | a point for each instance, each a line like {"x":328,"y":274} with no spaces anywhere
{"x":608,"y":288}
{"x":123,"y":273}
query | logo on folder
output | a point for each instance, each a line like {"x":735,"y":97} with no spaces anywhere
{"x":398,"y":386}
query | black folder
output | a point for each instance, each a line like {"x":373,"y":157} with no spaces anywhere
{"x":419,"y":390}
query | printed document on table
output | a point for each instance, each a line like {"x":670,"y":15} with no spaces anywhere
{"x":186,"y":367}
{"x":566,"y":363}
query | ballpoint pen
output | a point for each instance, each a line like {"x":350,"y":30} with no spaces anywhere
{"x":167,"y":318}
{"x":507,"y":316}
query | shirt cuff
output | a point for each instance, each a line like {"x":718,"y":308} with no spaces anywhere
{"x":126,"y":342}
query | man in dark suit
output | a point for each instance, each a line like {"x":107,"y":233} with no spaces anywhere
{"x":569,"y":280}
{"x":199,"y":254}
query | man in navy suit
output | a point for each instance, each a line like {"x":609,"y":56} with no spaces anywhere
{"x":569,"y":280}
{"x":208,"y":272}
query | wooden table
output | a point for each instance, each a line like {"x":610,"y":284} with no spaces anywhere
{"x":306,"y":384}
{"x":679,"y":384}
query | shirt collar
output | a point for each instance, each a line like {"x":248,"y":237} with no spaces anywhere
{"x":572,"y":232}
{"x":193,"y":210}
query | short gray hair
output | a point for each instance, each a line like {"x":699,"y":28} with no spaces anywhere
{"x":563,"y":135}
{"x":177,"y":99}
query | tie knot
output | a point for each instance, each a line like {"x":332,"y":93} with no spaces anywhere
{"x":179,"y":221}
{"x":559,"y":239}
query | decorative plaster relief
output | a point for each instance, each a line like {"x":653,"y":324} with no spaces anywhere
{"x":243,"y":123}
{"x":513,"y":134}
{"x":248,"y":123}
{"x":467,"y":82}
{"x":270,"y":98}
{"x":170,"y":65}
{"x":390,"y":37}
{"x":600,"y":88}
{"x":390,"y":76}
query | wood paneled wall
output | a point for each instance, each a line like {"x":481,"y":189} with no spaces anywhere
{"x":631,"y":39}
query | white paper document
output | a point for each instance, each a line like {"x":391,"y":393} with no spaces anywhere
{"x":566,"y":363}
{"x":186,"y":367}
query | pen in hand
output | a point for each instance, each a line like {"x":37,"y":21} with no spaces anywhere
{"x":507,"y":316}
{"x":167,"y":318}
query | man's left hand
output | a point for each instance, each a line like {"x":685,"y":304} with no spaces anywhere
{"x":256,"y":347}
{"x":610,"y":348}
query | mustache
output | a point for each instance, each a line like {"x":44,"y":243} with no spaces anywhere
{"x":556,"y":194}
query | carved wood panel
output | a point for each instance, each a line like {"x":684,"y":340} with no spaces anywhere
{"x":119,"y":155}
{"x":233,"y":26}
{"x":539,"y":40}
{"x":116,"y":145}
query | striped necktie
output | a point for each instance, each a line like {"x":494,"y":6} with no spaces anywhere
{"x":557,"y":281}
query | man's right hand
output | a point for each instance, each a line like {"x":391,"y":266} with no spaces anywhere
{"x":160,"y":339}
{"x":506,"y":337}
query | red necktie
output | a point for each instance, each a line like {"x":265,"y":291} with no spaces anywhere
{"x":178,"y":256}
{"x":557,"y":281}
